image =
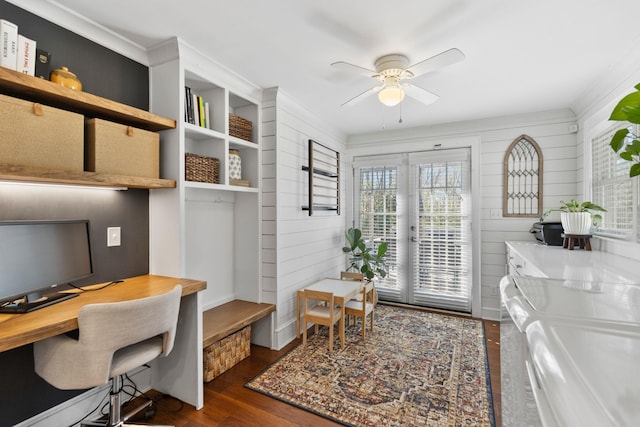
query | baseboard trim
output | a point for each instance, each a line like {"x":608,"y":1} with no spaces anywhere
{"x":427,"y":309}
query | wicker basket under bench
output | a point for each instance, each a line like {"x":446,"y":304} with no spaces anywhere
{"x":227,"y":334}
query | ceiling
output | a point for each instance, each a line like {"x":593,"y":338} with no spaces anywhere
{"x":521,"y":56}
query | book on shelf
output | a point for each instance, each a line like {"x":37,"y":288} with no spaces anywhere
{"x":206,"y":114}
{"x":43,"y":59}
{"x":188,"y":105}
{"x":196,"y":109}
{"x":8,"y":44}
{"x":26,"y":56}
{"x":203,"y":122}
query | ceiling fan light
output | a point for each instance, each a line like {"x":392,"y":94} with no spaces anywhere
{"x":391,"y":95}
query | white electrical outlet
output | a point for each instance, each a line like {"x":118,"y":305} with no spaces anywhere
{"x":496,"y":213}
{"x":113,"y":236}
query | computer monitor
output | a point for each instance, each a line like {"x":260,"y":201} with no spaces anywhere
{"x":40,"y":258}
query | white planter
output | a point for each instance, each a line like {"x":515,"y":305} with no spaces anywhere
{"x":576,"y":222}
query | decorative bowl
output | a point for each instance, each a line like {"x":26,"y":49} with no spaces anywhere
{"x":66,"y":78}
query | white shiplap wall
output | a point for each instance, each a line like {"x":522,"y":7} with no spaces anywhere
{"x":550,"y":130}
{"x":297,"y":248}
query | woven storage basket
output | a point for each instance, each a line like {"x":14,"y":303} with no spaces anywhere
{"x":240,"y":128}
{"x":201,"y":168}
{"x":222,"y":355}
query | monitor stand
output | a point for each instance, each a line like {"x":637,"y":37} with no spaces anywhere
{"x":44,"y":301}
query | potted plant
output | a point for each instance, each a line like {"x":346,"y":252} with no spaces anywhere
{"x":628,"y":110}
{"x":365,"y":257}
{"x":577,"y":218}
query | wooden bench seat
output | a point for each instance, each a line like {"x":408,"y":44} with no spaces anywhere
{"x":225,"y":319}
{"x":227,"y":334}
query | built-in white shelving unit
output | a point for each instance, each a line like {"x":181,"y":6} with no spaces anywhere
{"x":208,"y":231}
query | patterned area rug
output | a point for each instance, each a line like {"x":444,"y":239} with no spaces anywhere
{"x":415,"y":369}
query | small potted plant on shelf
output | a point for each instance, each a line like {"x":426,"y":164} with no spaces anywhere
{"x":364,"y":257}
{"x":578,"y":218}
{"x":628,"y":110}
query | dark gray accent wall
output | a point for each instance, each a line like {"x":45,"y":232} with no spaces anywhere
{"x":23,"y":393}
{"x":104,"y":73}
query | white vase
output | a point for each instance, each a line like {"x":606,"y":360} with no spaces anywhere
{"x":576,"y":222}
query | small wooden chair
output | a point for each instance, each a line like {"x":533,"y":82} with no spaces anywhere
{"x":351,"y":275}
{"x":356,"y":277}
{"x":363,"y":307}
{"x":327,"y":315}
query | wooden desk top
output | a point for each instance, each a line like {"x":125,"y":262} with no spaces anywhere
{"x":20,"y":329}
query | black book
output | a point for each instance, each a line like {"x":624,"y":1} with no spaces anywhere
{"x":188,"y":105}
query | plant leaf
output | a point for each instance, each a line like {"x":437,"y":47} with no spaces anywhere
{"x":635,"y":170}
{"x":592,"y":206}
{"x":632,"y":112}
{"x":617,"y":142}
{"x":382,"y":249}
{"x":626,"y":156}
{"x":630,"y":101}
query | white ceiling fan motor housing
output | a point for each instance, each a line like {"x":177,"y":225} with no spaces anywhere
{"x":393,"y":65}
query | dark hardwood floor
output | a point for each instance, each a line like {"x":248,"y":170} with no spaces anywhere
{"x":228,"y":403}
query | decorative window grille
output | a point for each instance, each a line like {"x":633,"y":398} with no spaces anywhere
{"x":522,"y":190}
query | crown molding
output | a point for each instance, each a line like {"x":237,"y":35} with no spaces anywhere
{"x":72,"y":21}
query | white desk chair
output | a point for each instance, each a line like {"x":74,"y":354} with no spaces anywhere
{"x":114,"y":338}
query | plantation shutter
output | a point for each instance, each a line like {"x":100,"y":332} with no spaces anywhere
{"x":612,"y":188}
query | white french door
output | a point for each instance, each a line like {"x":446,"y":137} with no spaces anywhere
{"x":420,"y":203}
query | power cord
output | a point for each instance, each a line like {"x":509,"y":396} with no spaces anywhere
{"x":81,"y":289}
{"x":92,"y":411}
{"x":150,"y":412}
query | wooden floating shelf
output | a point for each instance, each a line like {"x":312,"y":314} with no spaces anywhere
{"x":39,"y":90}
{"x":83,"y":178}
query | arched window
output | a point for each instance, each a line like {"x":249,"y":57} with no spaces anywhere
{"x":522,"y":192}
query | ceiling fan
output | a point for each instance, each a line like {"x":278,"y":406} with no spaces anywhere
{"x":391,"y":70}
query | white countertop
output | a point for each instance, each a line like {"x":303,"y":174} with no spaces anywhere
{"x":558,"y":263}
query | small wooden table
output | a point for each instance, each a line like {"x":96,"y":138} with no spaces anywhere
{"x":342,"y":290}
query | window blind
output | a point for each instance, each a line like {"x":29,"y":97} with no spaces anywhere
{"x":378,"y":188}
{"x":442,"y":258}
{"x":612,"y":188}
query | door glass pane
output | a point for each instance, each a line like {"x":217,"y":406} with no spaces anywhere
{"x":378,"y":216}
{"x":441,"y":249}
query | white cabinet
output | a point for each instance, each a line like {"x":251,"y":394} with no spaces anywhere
{"x":209,"y":231}
{"x":520,"y":266}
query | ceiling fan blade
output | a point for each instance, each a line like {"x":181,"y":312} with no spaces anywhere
{"x":441,"y":60}
{"x":356,"y":99}
{"x":354,"y":68}
{"x":420,"y":94}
